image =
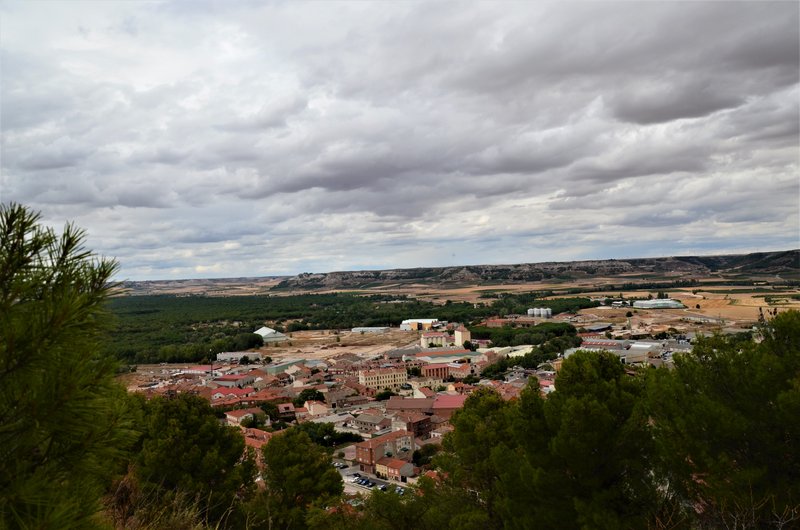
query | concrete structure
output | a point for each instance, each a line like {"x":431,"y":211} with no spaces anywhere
{"x":540,"y":312}
{"x":435,"y":338}
{"x":270,"y":335}
{"x":414,"y":422}
{"x":382,"y":378}
{"x":394,"y":469}
{"x":462,"y":335}
{"x":236,"y":417}
{"x":230,"y":356}
{"x":369,"y":330}
{"x":445,"y":356}
{"x":414,"y":324}
{"x":281,"y":367}
{"x":202,"y":369}
{"x":316,"y":408}
{"x":460,"y":370}
{"x":235,"y":380}
{"x":438,"y":371}
{"x":663,"y":303}
{"x":398,"y":444}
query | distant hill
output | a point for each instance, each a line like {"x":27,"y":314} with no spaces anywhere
{"x":760,"y":263}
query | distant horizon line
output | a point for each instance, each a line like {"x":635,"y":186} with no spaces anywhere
{"x":276,"y":276}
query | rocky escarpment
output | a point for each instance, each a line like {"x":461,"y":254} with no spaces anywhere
{"x":683,"y":266}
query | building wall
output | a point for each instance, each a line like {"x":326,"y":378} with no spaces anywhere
{"x":462,"y":336}
{"x":436,"y":372}
{"x":437,"y":340}
{"x":380,"y":379}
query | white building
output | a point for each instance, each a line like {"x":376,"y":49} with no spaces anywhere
{"x":270,"y":335}
{"x":229,"y":356}
{"x":436,"y":338}
{"x":383,"y":378}
{"x":663,"y":303}
{"x":462,"y":335}
{"x":414,"y":324}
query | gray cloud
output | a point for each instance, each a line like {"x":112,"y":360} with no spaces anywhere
{"x":209,"y":139}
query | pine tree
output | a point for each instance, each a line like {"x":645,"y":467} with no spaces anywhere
{"x":63,"y":421}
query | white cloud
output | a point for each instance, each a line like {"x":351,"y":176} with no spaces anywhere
{"x":211,"y":139}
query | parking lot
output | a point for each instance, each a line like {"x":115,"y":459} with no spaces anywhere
{"x":356,"y":481}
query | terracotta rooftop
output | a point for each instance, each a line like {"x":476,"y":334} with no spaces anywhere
{"x":372,"y":443}
{"x":445,"y":401}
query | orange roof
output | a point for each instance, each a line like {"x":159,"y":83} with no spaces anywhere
{"x":372,"y":443}
{"x":241,"y":413}
{"x":434,"y":365}
{"x":393,"y":463}
{"x":444,"y":401}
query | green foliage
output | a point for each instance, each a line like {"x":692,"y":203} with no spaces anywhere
{"x":308,"y":394}
{"x":325,"y":435}
{"x":64,"y":423}
{"x":509,"y":304}
{"x":428,"y":506}
{"x":383,"y":395}
{"x":423,"y":455}
{"x":479,"y":442}
{"x":726,"y":423}
{"x":538,"y":334}
{"x":586,"y":449}
{"x":270,"y":409}
{"x":298,"y":475}
{"x":531,"y":360}
{"x":247,"y":341}
{"x":164,"y":328}
{"x":185,"y":448}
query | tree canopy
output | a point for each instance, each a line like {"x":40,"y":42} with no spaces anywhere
{"x":297,"y":474}
{"x":185,"y":448}
{"x":64,"y":425}
{"x":711,"y":443}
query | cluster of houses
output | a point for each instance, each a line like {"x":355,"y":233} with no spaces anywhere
{"x":427,"y":386}
{"x":425,"y":383}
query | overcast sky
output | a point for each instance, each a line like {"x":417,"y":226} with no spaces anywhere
{"x":218,"y":139}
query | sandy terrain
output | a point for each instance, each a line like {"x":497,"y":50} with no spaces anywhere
{"x":321,"y":344}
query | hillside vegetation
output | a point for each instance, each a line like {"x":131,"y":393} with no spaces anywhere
{"x":771,"y":263}
{"x":168,"y":328}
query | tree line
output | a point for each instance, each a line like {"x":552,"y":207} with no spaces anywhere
{"x":712,"y":443}
{"x":168,"y":328}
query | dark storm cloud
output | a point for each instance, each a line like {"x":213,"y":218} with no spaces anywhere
{"x":197,"y":139}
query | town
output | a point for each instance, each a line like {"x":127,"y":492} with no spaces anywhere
{"x":398,"y":401}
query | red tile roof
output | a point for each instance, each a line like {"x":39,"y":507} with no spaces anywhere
{"x":241,"y":413}
{"x":392,"y":463}
{"x":445,"y":401}
{"x":232,"y":377}
{"x":372,"y":443}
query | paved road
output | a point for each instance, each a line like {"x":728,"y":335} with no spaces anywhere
{"x":350,"y":487}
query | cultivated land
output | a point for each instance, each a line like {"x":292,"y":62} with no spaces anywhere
{"x":730,"y":288}
{"x":198,"y":318}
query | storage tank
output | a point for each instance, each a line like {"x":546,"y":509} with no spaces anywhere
{"x":547,"y":312}
{"x":537,"y":311}
{"x":530,"y":312}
